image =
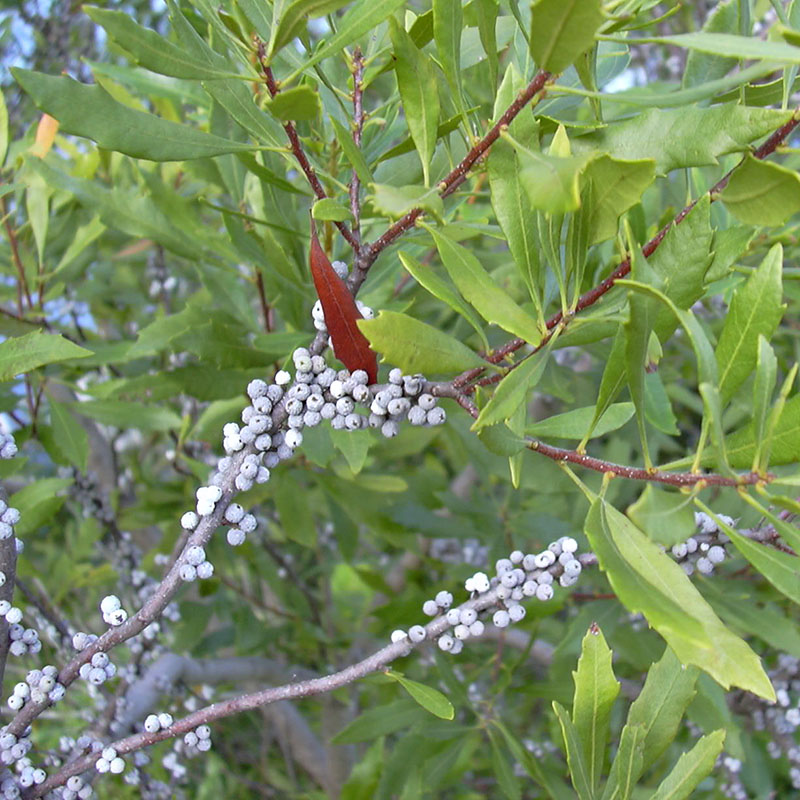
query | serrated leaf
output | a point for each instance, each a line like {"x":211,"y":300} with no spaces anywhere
{"x":150,"y":49}
{"x":415,"y":346}
{"x":25,"y":353}
{"x":575,"y":424}
{"x":563,"y":29}
{"x":617,"y":185}
{"x":596,"y":689}
{"x":478,"y":289}
{"x":428,"y":279}
{"x":299,"y":104}
{"x":755,"y":311}
{"x":762,"y":193}
{"x":419,"y":92}
{"x":429,"y":698}
{"x":551,"y":182}
{"x":578,"y":769}
{"x":659,"y":708}
{"x":647,"y":580}
{"x":627,"y":764}
{"x":684,"y":137}
{"x":691,"y":768}
{"x":91,"y":112}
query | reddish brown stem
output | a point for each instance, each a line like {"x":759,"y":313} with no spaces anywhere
{"x":452,"y":181}
{"x":22,"y":285}
{"x":358,"y":127}
{"x":299,"y":153}
{"x":594,"y":294}
{"x":266,"y":310}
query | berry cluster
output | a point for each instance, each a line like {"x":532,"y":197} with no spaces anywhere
{"x":8,"y":447}
{"x":517,"y":578}
{"x":113,"y":612}
{"x":198,"y":740}
{"x":13,"y":748}
{"x":24,"y":641}
{"x":706,"y":549}
{"x":154,"y":723}
{"x":97,"y":671}
{"x":39,"y":686}
{"x":76,"y":789}
{"x":109,"y":761}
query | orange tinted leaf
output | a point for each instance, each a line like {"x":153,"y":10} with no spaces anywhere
{"x":350,"y":346}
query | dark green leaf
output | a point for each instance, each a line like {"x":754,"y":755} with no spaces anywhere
{"x":563,"y":29}
{"x":294,"y":18}
{"x":126,"y":415}
{"x":380,"y":721}
{"x":666,"y":517}
{"x":596,"y":689}
{"x":91,"y":112}
{"x":575,"y":424}
{"x":429,"y":698}
{"x":69,"y":435}
{"x":25,"y":353}
{"x":762,"y":193}
{"x":755,"y":311}
{"x":419,"y":93}
{"x":299,"y":104}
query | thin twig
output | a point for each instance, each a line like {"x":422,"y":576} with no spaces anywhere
{"x":450,"y":183}
{"x":297,"y":148}
{"x":358,"y":127}
{"x":8,"y":566}
{"x":22,"y":285}
{"x":590,"y":297}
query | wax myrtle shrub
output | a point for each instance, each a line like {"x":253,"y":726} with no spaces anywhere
{"x":479,"y":480}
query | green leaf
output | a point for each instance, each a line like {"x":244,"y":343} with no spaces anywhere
{"x":627,"y":764}
{"x":69,"y":435}
{"x":762,"y":193}
{"x":578,"y":770}
{"x":447,"y":30}
{"x":123,"y":414}
{"x":428,"y":279}
{"x":684,"y":137}
{"x":38,"y":502}
{"x":419,"y":93}
{"x":648,"y":581}
{"x":781,"y":569}
{"x":729,"y":245}
{"x":666,"y":517}
{"x":294,"y":18}
{"x":575,"y":424}
{"x":352,"y":153}
{"x":501,"y":440}
{"x":299,"y":104}
{"x":3,"y":129}
{"x":703,"y":67}
{"x":617,"y":185}
{"x":25,"y":353}
{"x":691,"y":768}
{"x":150,"y":49}
{"x":513,"y":390}
{"x":361,"y":17}
{"x":91,"y":112}
{"x":728,"y":45}
{"x":429,"y":698}
{"x":596,"y":689}
{"x":487,"y":11}
{"x":660,"y":706}
{"x":509,"y":199}
{"x":503,"y":771}
{"x":397,"y":201}
{"x":294,"y":510}
{"x":478,"y":289}
{"x":417,"y":347}
{"x":763,"y":386}
{"x":784,"y":442}
{"x":551,"y":182}
{"x":380,"y":721}
{"x":561,"y":30}
{"x":328,"y":209}
{"x":755,"y":311}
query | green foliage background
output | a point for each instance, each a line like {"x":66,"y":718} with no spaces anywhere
{"x":170,"y":205}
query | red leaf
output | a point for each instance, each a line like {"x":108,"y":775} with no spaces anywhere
{"x":350,"y":346}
